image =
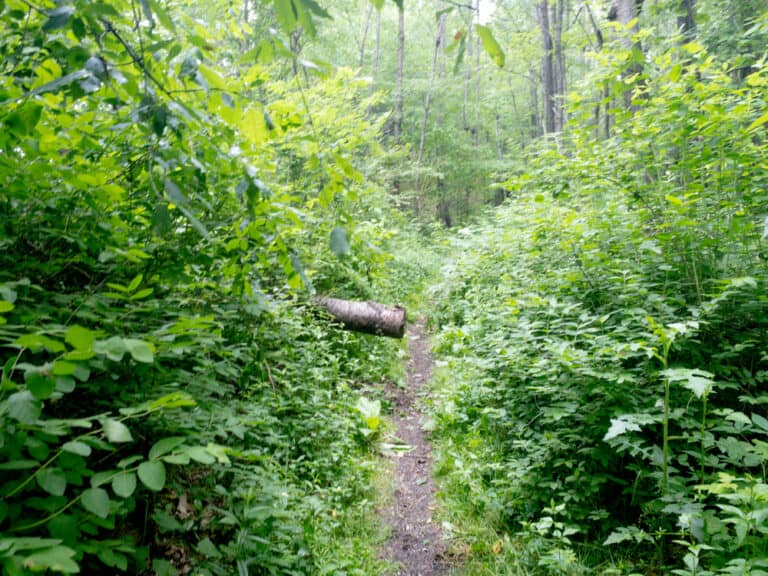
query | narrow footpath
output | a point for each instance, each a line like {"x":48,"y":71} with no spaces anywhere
{"x":416,"y":542}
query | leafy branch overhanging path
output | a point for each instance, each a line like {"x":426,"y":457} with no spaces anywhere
{"x":416,"y":542}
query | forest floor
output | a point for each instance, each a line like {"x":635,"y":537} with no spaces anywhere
{"x":416,"y":543}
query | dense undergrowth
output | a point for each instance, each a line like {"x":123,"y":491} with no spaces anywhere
{"x":601,"y":405}
{"x":171,"y":401}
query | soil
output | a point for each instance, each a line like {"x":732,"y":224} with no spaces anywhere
{"x":416,"y":543}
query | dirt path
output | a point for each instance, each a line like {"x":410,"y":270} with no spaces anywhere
{"x":416,"y":543}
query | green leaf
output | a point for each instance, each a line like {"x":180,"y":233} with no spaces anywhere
{"x":339,"y":242}
{"x":315,"y":8}
{"x":96,"y":501}
{"x":173,"y":400}
{"x":378,"y":4}
{"x":75,"y":447}
{"x":57,"y":18}
{"x":116,"y":431}
{"x":490,"y":45}
{"x":287,"y":15}
{"x":24,"y":407}
{"x":63,"y":368}
{"x":619,"y":426}
{"x":24,"y":118}
{"x":52,"y":480}
{"x":56,"y":559}
{"x":182,"y":203}
{"x":165,"y":445}
{"x":36,"y":342}
{"x":41,"y":385}
{"x":61,"y":82}
{"x":124,"y":484}
{"x":5,"y":306}
{"x":208,"y":549}
{"x":113,"y":348}
{"x":697,"y":381}
{"x":199,"y":454}
{"x":152,"y":475}
{"x":162,"y":15}
{"x":757,"y":123}
{"x":140,"y":350}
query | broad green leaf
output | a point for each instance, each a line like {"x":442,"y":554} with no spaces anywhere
{"x":219,"y":452}
{"x":619,"y":426}
{"x":199,"y":454}
{"x":96,"y":501}
{"x":162,"y":15}
{"x":140,"y":350}
{"x":697,"y":381}
{"x":208,"y":549}
{"x":164,"y":446}
{"x":378,"y":4}
{"x":55,"y":559}
{"x":287,"y":15}
{"x":173,"y":400}
{"x":757,"y":123}
{"x":24,"y":407}
{"x":124,"y":484}
{"x":115,"y":431}
{"x":113,"y":348}
{"x":52,"y":480}
{"x":76,"y":447}
{"x":61,"y":82}
{"x":339,"y":242}
{"x":152,"y":475}
{"x":22,"y":120}
{"x":315,"y":8}
{"x":41,"y":385}
{"x":760,"y":422}
{"x":63,"y":368}
{"x":490,"y":45}
{"x":37,"y":342}
{"x":182,"y":203}
{"x":58,"y":18}
{"x":5,"y":306}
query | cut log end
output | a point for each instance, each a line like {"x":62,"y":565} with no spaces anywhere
{"x":367,"y":317}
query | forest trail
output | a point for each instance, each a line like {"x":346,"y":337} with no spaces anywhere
{"x":416,"y":542}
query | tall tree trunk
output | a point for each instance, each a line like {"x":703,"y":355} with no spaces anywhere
{"x":365,"y":35}
{"x":377,"y":51}
{"x":535,"y":118}
{"x":547,"y":69}
{"x":478,"y":76}
{"x":467,"y":76}
{"x":686,"y":21}
{"x":625,"y":12}
{"x":427,"y":96}
{"x":558,"y":11}
{"x":400,"y":65}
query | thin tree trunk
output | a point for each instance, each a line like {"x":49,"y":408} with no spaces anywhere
{"x":535,"y":118}
{"x":377,"y":53}
{"x":400,"y":65}
{"x":547,"y":72}
{"x":686,"y":22}
{"x":467,"y":76}
{"x":624,"y":12}
{"x":438,"y":45}
{"x":558,"y":10}
{"x":478,"y":76}
{"x":365,"y":36}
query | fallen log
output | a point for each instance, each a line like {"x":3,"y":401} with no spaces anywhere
{"x":368,"y":317}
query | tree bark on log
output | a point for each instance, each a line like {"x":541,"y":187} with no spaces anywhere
{"x":368,"y":317}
